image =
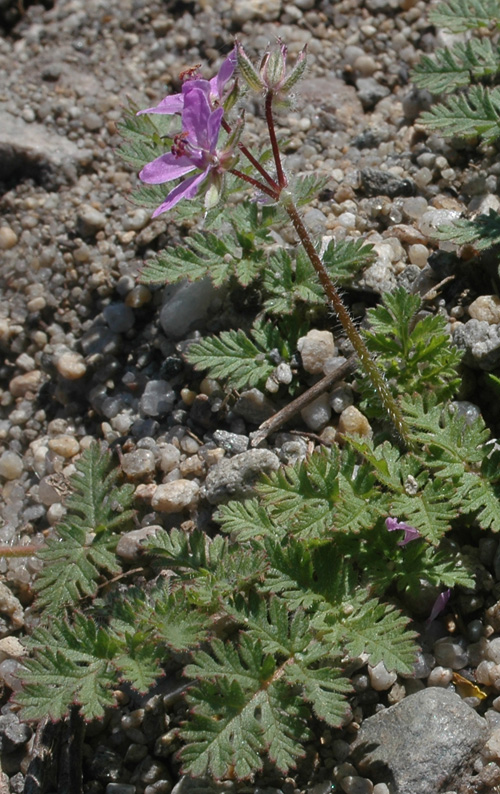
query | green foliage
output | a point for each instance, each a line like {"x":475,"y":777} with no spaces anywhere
{"x":244,"y":360}
{"x":81,"y":550}
{"x":482,"y":232}
{"x":472,"y":109}
{"x":238,"y":253}
{"x":455,"y":68}
{"x":461,"y":15}
{"x":470,"y":115}
{"x":415,"y":354}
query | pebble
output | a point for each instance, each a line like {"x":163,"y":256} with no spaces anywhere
{"x":157,"y":399}
{"x":234,"y":443}
{"x":440,"y":676}
{"x":235,"y":477}
{"x":119,"y":317}
{"x":380,"y":678}
{"x":173,"y":497}
{"x":71,"y":366}
{"x":89,"y":220}
{"x":315,"y":349}
{"x":8,"y":238}
{"x":486,"y":308}
{"x":169,"y":457}
{"x":139,"y":464}
{"x":254,"y":406}
{"x":20,"y":385}
{"x":317,"y":414}
{"x":11,"y":606}
{"x":129,"y":545}
{"x":351,"y":420}
{"x":353,"y":784}
{"x":11,"y":465}
{"x":64,"y":445}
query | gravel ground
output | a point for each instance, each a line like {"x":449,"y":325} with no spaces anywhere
{"x":91,"y":354}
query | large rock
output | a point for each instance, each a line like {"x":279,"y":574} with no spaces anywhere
{"x":424,"y":745}
{"x":234,"y":478}
{"x":29,"y":150}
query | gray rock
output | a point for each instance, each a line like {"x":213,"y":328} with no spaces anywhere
{"x":13,"y":733}
{"x":481,"y":342}
{"x":158,"y":398}
{"x":119,"y":317}
{"x":375,"y":182}
{"x":89,"y":220}
{"x":370,"y":92}
{"x":29,"y":150}
{"x":185,"y":305}
{"x":426,"y":743}
{"x":233,"y":443}
{"x":254,"y":406}
{"x":234,"y":478}
{"x":129,"y":546}
{"x":100,"y":340}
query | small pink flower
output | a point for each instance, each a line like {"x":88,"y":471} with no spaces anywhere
{"x":411,"y":533}
{"x":438,"y":606}
{"x":193,"y":149}
{"x":213,"y":89}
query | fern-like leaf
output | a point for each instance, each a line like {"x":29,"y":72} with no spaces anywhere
{"x":461,"y":15}
{"x":82,"y":549}
{"x":482,"y":232}
{"x":450,"y":69}
{"x":471,"y":115}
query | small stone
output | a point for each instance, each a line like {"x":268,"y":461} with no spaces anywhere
{"x":119,"y":317}
{"x":169,"y":457}
{"x":317,"y":414}
{"x":193,"y":466}
{"x":89,"y":221}
{"x":352,"y":784}
{"x":486,"y":308}
{"x":440,"y":676}
{"x":449,"y":653}
{"x":418,"y":255}
{"x":380,"y":678}
{"x":158,"y":398}
{"x":492,"y":651}
{"x":365,"y":65}
{"x":138,"y":296}
{"x":491,"y":750}
{"x":481,"y":342}
{"x":11,"y":465}
{"x":138,"y":464}
{"x":375,"y":182}
{"x":11,"y":606}
{"x":129,"y":546}
{"x":254,"y":406}
{"x":11,"y":648}
{"x":353,"y":421}
{"x":370,"y":92}
{"x":20,"y":385}
{"x":8,"y":238}
{"x":173,"y":497}
{"x":234,"y":478}
{"x":71,"y":366}
{"x":234,"y":443}
{"x":315,"y":349}
{"x":64,"y":445}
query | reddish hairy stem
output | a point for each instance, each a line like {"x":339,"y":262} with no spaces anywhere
{"x":282,"y":181}
{"x":260,"y":168}
{"x":255,"y":183}
{"x":367,"y":362}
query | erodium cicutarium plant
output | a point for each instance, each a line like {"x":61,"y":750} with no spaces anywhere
{"x":203,"y":107}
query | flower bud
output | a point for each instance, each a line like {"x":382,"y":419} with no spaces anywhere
{"x":271,"y":75}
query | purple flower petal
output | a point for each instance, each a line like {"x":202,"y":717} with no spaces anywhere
{"x":165,"y":168}
{"x":186,"y":190}
{"x":411,"y":533}
{"x":224,"y":74}
{"x":169,"y":105}
{"x":438,"y":606}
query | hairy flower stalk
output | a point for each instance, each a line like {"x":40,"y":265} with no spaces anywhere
{"x":202,"y":105}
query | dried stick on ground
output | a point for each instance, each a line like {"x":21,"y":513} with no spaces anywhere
{"x":278,"y":419}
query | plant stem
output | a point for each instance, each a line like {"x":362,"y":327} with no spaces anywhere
{"x":282,"y":180}
{"x":248,"y":154}
{"x":367,"y":362}
{"x":254,"y":183}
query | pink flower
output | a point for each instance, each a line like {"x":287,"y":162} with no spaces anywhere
{"x":213,"y":89}
{"x":438,"y":606}
{"x":194,"y":149}
{"x":411,"y":533}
